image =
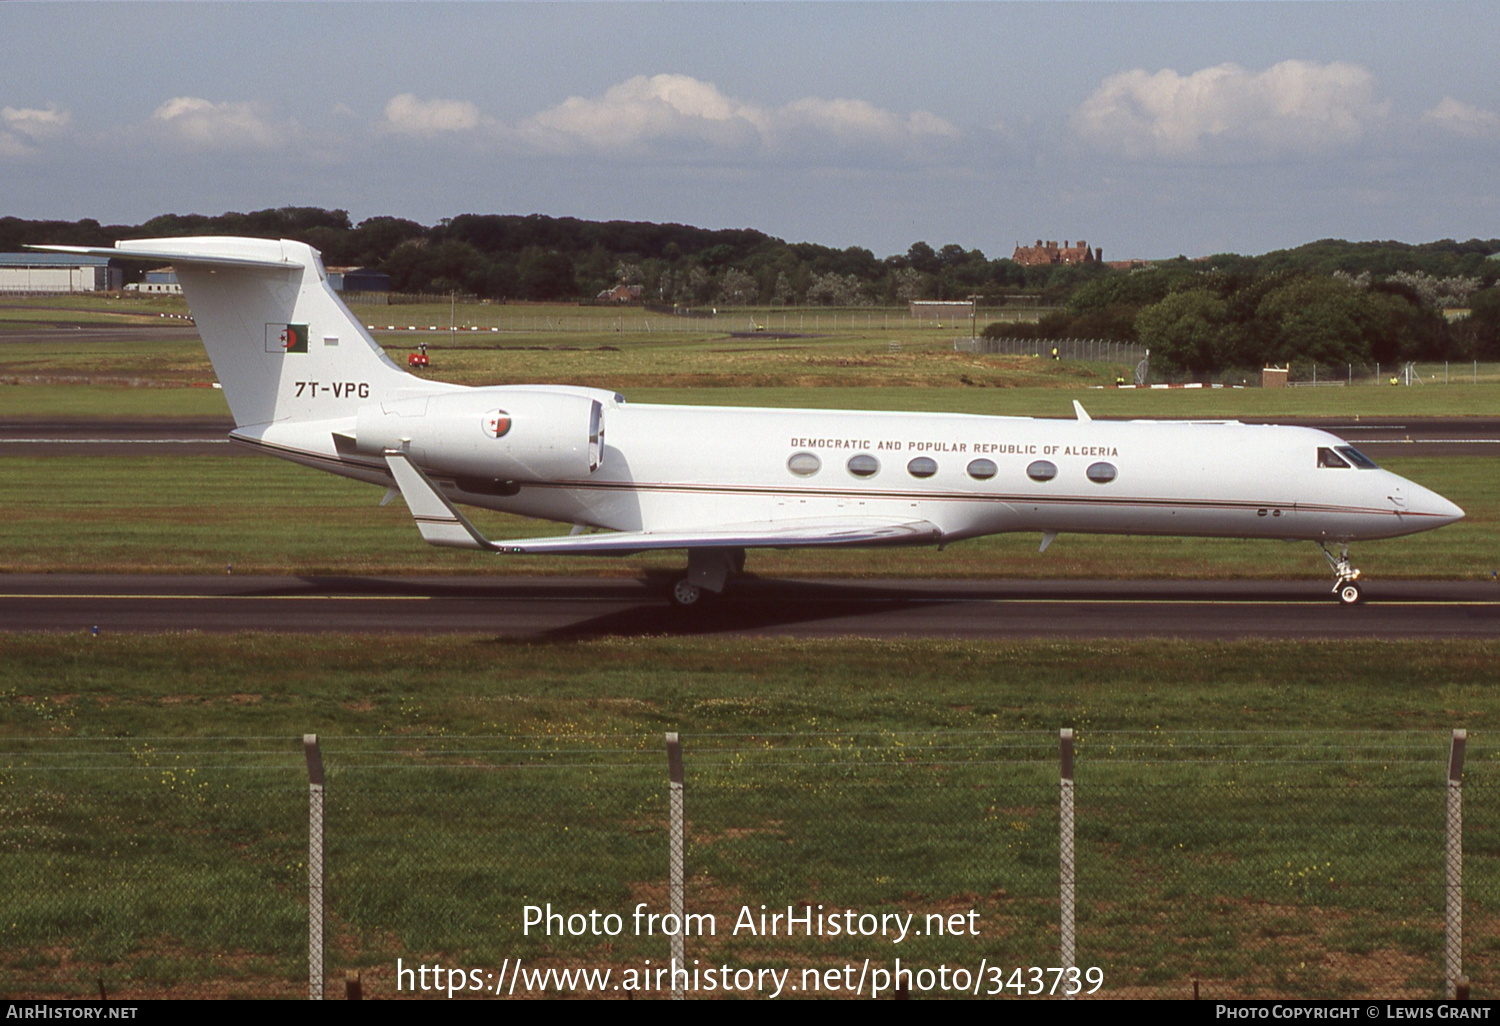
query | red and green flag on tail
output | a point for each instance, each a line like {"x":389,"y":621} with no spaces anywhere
{"x":286,"y":338}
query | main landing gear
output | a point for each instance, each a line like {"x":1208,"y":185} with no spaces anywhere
{"x":1346,"y":577}
{"x":708,"y":571}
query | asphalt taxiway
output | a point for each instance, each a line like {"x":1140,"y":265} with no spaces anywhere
{"x":516,"y":607}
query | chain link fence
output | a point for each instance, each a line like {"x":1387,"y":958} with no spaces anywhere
{"x":925,"y":864}
{"x":1093,"y":350}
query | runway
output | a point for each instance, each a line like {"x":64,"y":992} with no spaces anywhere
{"x":556,"y":608}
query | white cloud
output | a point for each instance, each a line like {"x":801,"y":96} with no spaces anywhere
{"x":204,"y":124}
{"x":1463,"y":119}
{"x":1226,"y":112}
{"x":407,"y":115}
{"x":22,"y":126}
{"x":35,"y":122}
{"x":642,"y":115}
{"x":676,"y":115}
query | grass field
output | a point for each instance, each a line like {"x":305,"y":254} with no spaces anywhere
{"x":1261,"y":816}
{"x":854,"y":362}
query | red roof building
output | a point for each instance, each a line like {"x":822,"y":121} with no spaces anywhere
{"x":1044,"y":253}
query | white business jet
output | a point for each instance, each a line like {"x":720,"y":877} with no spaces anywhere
{"x":306,"y":382}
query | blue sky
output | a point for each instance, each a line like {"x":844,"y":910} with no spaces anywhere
{"x":1150,"y":129}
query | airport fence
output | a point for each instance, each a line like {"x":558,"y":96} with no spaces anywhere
{"x":1095,"y":350}
{"x":1162,"y":864}
{"x":1308,"y":374}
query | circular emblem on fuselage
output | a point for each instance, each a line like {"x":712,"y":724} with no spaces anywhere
{"x":496,"y":423}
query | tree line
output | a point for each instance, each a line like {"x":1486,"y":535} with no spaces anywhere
{"x":1331,"y":301}
{"x":535,"y":257}
{"x":1382,"y":304}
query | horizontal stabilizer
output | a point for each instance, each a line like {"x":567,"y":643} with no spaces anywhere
{"x":228,"y":252}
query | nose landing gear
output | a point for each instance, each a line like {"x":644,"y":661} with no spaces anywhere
{"x":1346,"y":577}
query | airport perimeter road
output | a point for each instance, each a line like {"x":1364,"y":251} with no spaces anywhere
{"x":589,"y":607}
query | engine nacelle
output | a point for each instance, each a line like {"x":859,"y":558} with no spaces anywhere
{"x":491,"y":433}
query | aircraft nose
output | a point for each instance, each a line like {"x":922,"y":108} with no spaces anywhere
{"x":1433,"y":508}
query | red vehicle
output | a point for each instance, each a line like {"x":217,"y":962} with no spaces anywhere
{"x":419,"y":358}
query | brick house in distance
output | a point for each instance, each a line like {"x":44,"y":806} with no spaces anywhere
{"x":620,"y":294}
{"x":1044,"y":253}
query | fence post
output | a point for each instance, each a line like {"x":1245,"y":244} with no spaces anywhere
{"x":675,"y":858}
{"x":1453,"y":919}
{"x":314,"y":866}
{"x":1067,"y":855}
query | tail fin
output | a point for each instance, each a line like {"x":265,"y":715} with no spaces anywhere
{"x":284,"y":346}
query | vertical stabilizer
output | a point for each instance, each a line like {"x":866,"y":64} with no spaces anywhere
{"x":284,"y":346}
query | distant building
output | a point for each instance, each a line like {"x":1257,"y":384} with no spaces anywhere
{"x":372,"y":287}
{"x":57,"y":273}
{"x":620,"y":294}
{"x":163,"y":282}
{"x":1045,"y":253}
{"x":358,"y":279}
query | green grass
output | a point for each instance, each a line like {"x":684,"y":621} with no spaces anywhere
{"x":1263,"y":816}
{"x":195,"y":514}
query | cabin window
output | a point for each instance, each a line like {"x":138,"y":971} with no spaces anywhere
{"x":1042,"y":470}
{"x":864,"y":465}
{"x":1101,"y":473}
{"x":1357,"y":458}
{"x":922,"y":466}
{"x":1328,"y":458}
{"x":804,"y":464}
{"x":982,"y":470}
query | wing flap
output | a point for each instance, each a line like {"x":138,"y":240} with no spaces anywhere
{"x":775,"y":534}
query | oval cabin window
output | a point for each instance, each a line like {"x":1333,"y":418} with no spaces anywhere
{"x":1101,"y":473}
{"x":864,"y":465}
{"x":804,"y":464}
{"x":1042,"y":470}
{"x":982,"y":470}
{"x":922,"y":466}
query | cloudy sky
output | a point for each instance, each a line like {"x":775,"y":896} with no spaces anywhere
{"x":1150,"y":129}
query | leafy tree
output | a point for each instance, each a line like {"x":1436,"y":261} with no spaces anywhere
{"x":737,"y":288}
{"x":1315,"y":318}
{"x":545,"y":274}
{"x":921,"y":257}
{"x":1479,"y":333}
{"x":1186,"y":331}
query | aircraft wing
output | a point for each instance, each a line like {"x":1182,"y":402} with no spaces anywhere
{"x":442,"y":524}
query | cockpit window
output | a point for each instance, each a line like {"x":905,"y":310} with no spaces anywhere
{"x":1328,"y":458}
{"x":1357,"y":458}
